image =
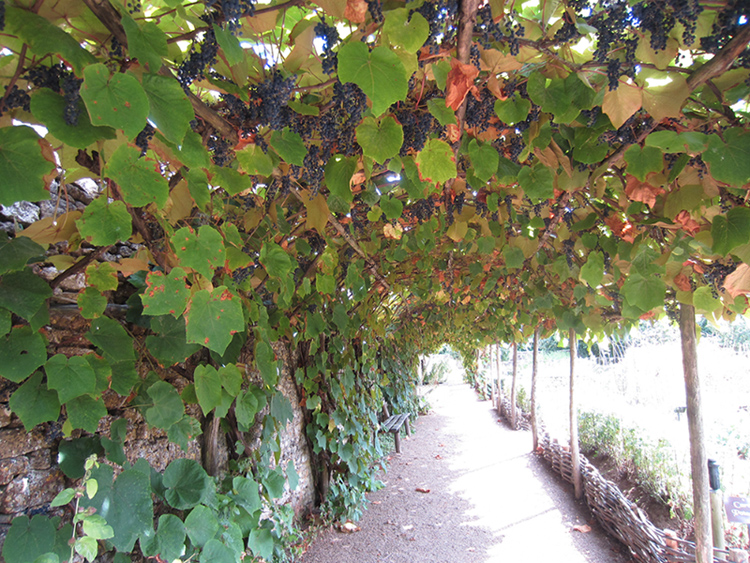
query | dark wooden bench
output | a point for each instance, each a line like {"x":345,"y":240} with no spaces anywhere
{"x":393,"y":424}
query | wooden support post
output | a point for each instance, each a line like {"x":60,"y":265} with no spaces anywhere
{"x":698,"y":459}
{"x":534,"y":422}
{"x":513,"y":421}
{"x":493,"y":379}
{"x":497,"y":371}
{"x":398,"y":441}
{"x":575,"y":456}
{"x":717,"y":521}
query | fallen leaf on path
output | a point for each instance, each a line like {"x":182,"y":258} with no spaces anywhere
{"x":422,"y":490}
{"x":349,"y":527}
{"x":376,"y":502}
{"x":438,"y":456}
{"x":583,"y":528}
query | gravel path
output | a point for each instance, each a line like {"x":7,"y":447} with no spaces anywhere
{"x":489,"y":498}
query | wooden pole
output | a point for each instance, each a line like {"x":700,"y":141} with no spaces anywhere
{"x":534,"y":422}
{"x":574,"y":446}
{"x":513,"y":387}
{"x":497,"y":370}
{"x":698,"y":460}
{"x":492,"y":377}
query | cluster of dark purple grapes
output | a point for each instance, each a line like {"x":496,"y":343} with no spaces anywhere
{"x":241,"y":274}
{"x":660,"y":17}
{"x":232,"y":11}
{"x":714,"y":275}
{"x":15,"y":98}
{"x":337,"y":125}
{"x":729,"y":21}
{"x":195,"y":65}
{"x":71,"y":89}
{"x":480,"y":112}
{"x":442,"y":16}
{"x":42,"y":76}
{"x":418,"y":126}
{"x":359,"y":217}
{"x":314,"y":168}
{"x":144,"y":137}
{"x":671,"y":307}
{"x":569,"y":250}
{"x":486,"y":27}
{"x":376,"y":10}
{"x":270,"y":98}
{"x":330,"y":36}
{"x":629,"y":131}
{"x":423,"y":209}
{"x":568,"y":31}
{"x":221,"y":151}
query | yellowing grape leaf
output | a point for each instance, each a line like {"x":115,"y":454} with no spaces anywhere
{"x":622,"y":103}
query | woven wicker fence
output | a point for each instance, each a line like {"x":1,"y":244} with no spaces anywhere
{"x":613,"y":510}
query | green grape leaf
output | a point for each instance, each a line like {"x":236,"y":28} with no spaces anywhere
{"x":72,"y":455}
{"x":693,"y":142}
{"x":392,"y":207}
{"x":201,"y":525}
{"x":289,"y":145}
{"x":704,"y":301}
{"x":24,"y":293}
{"x":265,"y":360}
{"x":170,"y":345}
{"x":85,"y":412}
{"x":281,"y":408}
{"x":207,"y":388}
{"x":246,"y":407}
{"x":184,"y":430}
{"x":114,"y":446}
{"x":22,"y":165}
{"x":513,"y":257}
{"x":731,"y":230}
{"x":92,"y":303}
{"x":645,"y":293}
{"x":730,"y":161}
{"x":292,"y":475}
{"x":102,"y":276}
{"x":247,"y":493}
{"x":275,"y":260}
{"x":187,"y":484}
{"x":405,"y":32}
{"x":203,"y":251}
{"x":338,"y":174}
{"x":587,"y":148}
{"x":16,"y":253}
{"x":441,"y":112}
{"x":537,"y":182}
{"x":643,"y":161}
{"x":117,"y":347}
{"x":380,"y":141}
{"x":167,"y":408}
{"x":28,"y":539}
{"x":116,"y":100}
{"x":71,"y":378}
{"x":34,"y":403}
{"x":137,"y":177}
{"x":562,"y":97}
{"x":148,"y":43}
{"x":231,"y":180}
{"x":274,"y":481}
{"x":171,"y":109}
{"x":48,"y":107}
{"x":230,"y":45}
{"x":213,"y":318}
{"x":165,"y":294}
{"x":436,"y":162}
{"x":216,"y":552}
{"x":512,"y":110}
{"x":105,"y":223}
{"x":125,"y":504}
{"x":253,"y":160}
{"x":169,"y":540}
{"x":484,"y":160}
{"x":379,"y":73}
{"x":44,"y":37}
{"x":261,"y":543}
{"x":21,"y":353}
{"x":231,"y":379}
{"x":592,"y":272}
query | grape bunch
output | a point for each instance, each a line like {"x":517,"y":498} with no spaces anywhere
{"x":270,"y":99}
{"x":417,"y":128}
{"x":330,"y":36}
{"x":233,"y":10}
{"x":480,"y":112}
{"x":715,"y":274}
{"x":42,"y":76}
{"x":375,"y":8}
{"x":569,"y":250}
{"x":442,"y":17}
{"x":144,"y":137}
{"x":71,"y":88}
{"x":15,"y":98}
{"x":195,"y":65}
{"x":423,"y":209}
{"x":486,"y":27}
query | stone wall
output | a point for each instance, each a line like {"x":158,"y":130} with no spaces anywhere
{"x":30,"y":477}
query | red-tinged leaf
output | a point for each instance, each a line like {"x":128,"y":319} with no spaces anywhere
{"x":213,"y":317}
{"x":622,"y":229}
{"x":738,"y":282}
{"x":202,"y":251}
{"x":436,"y":162}
{"x":166,"y":294}
{"x":642,"y":191}
{"x":460,"y":83}
{"x":682,"y":282}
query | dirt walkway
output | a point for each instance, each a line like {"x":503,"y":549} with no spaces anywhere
{"x":490,"y":499}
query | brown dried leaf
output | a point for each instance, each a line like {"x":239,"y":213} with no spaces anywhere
{"x":349,"y":527}
{"x":583,"y":528}
{"x":355,"y":11}
{"x":642,"y":191}
{"x":738,"y":282}
{"x":688,"y":224}
{"x":622,"y":229}
{"x":459,"y":83}
{"x":422,"y":490}
{"x":682,"y":282}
